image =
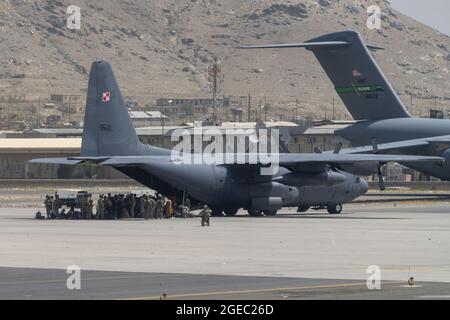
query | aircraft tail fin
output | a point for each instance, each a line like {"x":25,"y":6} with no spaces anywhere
{"x":357,"y":79}
{"x":355,"y":75}
{"x":108,"y":129}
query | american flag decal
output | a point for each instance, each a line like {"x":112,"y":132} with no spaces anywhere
{"x":356,"y":73}
{"x":106,"y":97}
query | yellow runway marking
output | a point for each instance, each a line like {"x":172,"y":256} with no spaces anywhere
{"x":200,"y":294}
{"x":82,"y":279}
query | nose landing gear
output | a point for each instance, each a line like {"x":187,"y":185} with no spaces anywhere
{"x":334,"y":209}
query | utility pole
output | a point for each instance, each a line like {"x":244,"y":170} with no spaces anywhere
{"x":70,"y":100}
{"x":214,"y":79}
{"x":163,"y":131}
{"x":333,"y":117}
{"x":39,"y":114}
{"x":249,"y":108}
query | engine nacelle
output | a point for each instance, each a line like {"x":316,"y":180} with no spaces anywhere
{"x":302,"y":179}
{"x":272,"y":195}
{"x":270,"y":203}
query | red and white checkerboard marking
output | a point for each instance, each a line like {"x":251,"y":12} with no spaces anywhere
{"x":106,"y":97}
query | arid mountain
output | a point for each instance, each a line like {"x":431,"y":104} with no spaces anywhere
{"x":164,"y":47}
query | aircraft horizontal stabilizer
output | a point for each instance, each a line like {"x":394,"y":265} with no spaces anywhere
{"x":308,"y":45}
{"x":318,"y":44}
{"x":399,"y":146}
{"x":69,"y":161}
{"x":65,"y":161}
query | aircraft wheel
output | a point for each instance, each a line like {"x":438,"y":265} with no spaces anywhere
{"x":255,"y":213}
{"x":270,"y":212}
{"x":335,"y":209}
{"x":303,"y":208}
{"x":216,"y":212}
{"x":231,"y":212}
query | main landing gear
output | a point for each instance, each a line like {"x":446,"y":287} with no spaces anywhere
{"x":260,"y":213}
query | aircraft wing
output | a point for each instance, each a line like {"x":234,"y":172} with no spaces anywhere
{"x":436,"y":144}
{"x":293,"y":161}
{"x":289,"y":160}
{"x":342,"y":158}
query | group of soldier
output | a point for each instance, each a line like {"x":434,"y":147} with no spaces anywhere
{"x":132,"y":206}
{"x":53,"y":208}
{"x":117,"y":206}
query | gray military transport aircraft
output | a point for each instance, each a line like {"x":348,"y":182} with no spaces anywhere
{"x":383,"y":125}
{"x":302,"y":180}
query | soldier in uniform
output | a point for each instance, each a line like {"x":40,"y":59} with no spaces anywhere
{"x":90,"y":207}
{"x":55,"y":207}
{"x":108,"y":205}
{"x":159,"y":207}
{"x":132,"y":204}
{"x":100,"y":208}
{"x":142,"y":206}
{"x":152,"y":207}
{"x":83,"y":206}
{"x":115,"y":207}
{"x":48,"y":206}
{"x":205,"y":214}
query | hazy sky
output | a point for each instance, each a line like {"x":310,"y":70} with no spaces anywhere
{"x":434,"y":13}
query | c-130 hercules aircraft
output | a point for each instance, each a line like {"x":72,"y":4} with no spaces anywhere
{"x":383,"y":125}
{"x":302,"y":180}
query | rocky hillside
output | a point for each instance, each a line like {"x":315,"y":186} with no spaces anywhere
{"x":163,"y":48}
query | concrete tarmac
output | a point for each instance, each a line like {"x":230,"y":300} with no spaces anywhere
{"x":312,"y":255}
{"x":37,"y":284}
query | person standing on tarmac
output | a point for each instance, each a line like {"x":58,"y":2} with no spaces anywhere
{"x":132,"y":204}
{"x":90,"y":207}
{"x":159,"y":207}
{"x":55,"y":206}
{"x":142,"y":206}
{"x":115,"y":207}
{"x":153,"y":200}
{"x":169,"y":209}
{"x":205,"y":214}
{"x":48,"y":206}
{"x":108,"y":205}
{"x":83,"y":207}
{"x":100,"y":208}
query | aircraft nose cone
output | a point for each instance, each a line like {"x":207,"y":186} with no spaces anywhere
{"x":364,"y":186}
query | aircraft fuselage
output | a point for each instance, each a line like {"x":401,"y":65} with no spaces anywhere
{"x":398,"y":129}
{"x":225,"y":188}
